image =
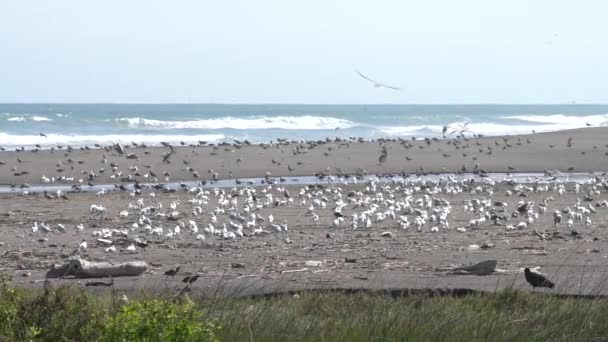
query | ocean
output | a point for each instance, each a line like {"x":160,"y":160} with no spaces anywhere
{"x":87,"y":124}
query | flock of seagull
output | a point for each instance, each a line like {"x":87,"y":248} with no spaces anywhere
{"x":390,"y":205}
{"x":341,"y":202}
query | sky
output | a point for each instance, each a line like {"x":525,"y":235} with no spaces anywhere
{"x":282,"y":51}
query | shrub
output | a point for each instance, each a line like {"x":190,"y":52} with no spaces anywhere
{"x":159,"y":320}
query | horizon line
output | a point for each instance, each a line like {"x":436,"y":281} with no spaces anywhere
{"x":315,"y":104}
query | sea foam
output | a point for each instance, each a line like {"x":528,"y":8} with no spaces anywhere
{"x":28,"y":118}
{"x":306,"y":122}
{"x":11,"y":140}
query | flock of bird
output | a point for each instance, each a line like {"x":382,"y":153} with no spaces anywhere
{"x":341,"y":203}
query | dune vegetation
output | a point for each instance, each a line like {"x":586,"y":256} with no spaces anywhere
{"x":72,"y":314}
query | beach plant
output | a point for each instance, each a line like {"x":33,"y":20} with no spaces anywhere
{"x":159,"y":320}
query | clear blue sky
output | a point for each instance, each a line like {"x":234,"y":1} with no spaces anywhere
{"x":476,"y":51}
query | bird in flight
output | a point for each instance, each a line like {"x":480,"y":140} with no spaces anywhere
{"x":376,"y":83}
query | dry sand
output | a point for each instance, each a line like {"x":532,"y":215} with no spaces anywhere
{"x":409,"y":259}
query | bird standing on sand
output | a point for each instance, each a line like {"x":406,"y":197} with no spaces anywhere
{"x":190,"y":279}
{"x":537,"y":280}
{"x":383,"y":155}
{"x":172,"y":272}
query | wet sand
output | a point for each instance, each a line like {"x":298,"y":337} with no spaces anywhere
{"x":587,"y":151}
{"x":575,"y":258}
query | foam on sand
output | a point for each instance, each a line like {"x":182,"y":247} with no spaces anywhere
{"x":10,"y":140}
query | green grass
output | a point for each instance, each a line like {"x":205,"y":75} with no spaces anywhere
{"x":508,"y":315}
{"x":72,"y":314}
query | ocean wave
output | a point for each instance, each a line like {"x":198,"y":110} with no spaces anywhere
{"x":306,"y":122}
{"x":28,"y":118}
{"x":575,"y":121}
{"x":493,"y":129}
{"x":13,"y":140}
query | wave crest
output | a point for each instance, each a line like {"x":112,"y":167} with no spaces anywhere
{"x":28,"y":118}
{"x":307,"y":122}
{"x":574,"y":121}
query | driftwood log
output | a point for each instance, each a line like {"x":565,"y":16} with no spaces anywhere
{"x":80,"y":268}
{"x":482,"y":268}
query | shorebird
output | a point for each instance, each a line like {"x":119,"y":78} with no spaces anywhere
{"x":537,"y":280}
{"x":376,"y":83}
{"x":172,"y":272}
{"x":190,"y":279}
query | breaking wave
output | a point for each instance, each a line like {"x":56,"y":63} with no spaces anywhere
{"x":306,"y":122}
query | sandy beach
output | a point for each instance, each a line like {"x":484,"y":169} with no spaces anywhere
{"x":587,"y":151}
{"x":317,"y":253}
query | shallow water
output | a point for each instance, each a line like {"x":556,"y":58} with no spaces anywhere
{"x":308,"y":180}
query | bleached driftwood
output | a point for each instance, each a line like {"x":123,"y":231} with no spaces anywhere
{"x":81,"y":268}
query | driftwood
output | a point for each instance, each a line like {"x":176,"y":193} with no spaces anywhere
{"x":482,"y":268}
{"x":81,"y":268}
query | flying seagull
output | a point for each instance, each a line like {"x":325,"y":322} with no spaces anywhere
{"x":377,"y":84}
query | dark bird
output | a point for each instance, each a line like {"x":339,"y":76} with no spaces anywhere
{"x":43,"y":135}
{"x":190,"y":279}
{"x":172,"y":272}
{"x":537,"y":280}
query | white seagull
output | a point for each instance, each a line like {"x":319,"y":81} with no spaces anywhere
{"x":376,"y":83}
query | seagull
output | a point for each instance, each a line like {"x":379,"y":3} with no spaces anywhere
{"x":82,"y":246}
{"x":377,"y":84}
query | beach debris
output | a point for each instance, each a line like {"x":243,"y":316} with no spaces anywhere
{"x":387,"y":234}
{"x":313,"y":263}
{"x":105,"y":241}
{"x":487,"y":245}
{"x":80,"y":268}
{"x":472,"y":248}
{"x":482,"y":268}
{"x":111,"y":249}
{"x":295,"y":271}
{"x":100,"y":283}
